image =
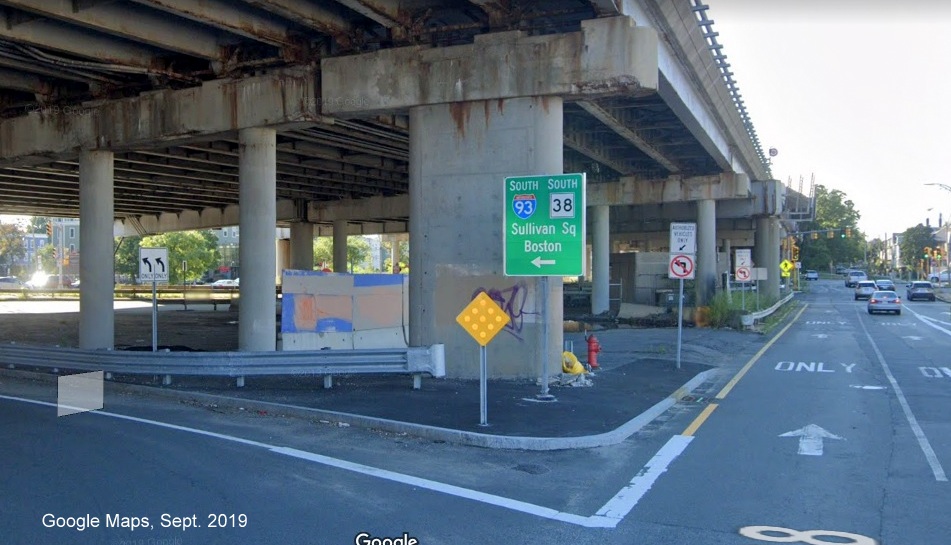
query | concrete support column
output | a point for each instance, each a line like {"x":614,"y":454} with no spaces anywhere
{"x":341,"y":228}
{"x":257,"y":194}
{"x":459,"y":154}
{"x":706,"y":274}
{"x":283,"y":249}
{"x":302,"y":246}
{"x":97,"y":266}
{"x":601,"y":256}
{"x":766,"y":253}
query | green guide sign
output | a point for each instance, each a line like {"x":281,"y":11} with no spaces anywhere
{"x":544,"y":219}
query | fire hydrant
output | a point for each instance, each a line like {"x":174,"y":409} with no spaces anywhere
{"x":593,"y":348}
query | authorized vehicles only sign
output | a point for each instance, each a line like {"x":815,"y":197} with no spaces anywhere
{"x":544,"y":221}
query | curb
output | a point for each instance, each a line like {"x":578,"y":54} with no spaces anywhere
{"x":460,"y":437}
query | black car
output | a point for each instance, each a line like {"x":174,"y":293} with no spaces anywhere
{"x":920,"y":290}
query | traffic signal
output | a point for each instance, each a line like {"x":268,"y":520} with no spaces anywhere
{"x":936,"y":253}
{"x":49,"y":230}
{"x":848,"y":232}
{"x":927,"y":252}
{"x":830,"y":234}
{"x":815,"y":236}
{"x":54,"y":253}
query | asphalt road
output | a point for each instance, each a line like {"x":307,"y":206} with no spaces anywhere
{"x":836,"y":433}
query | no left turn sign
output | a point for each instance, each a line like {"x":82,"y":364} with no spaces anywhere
{"x":742,"y":274}
{"x":681,"y":267}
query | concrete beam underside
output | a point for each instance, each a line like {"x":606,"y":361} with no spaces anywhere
{"x":609,"y":56}
{"x":157,"y":119}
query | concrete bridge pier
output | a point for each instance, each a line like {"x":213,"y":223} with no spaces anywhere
{"x":459,"y":155}
{"x":706,"y":274}
{"x":766,"y":253}
{"x":341,"y":229}
{"x":601,"y":259}
{"x":302,"y":246}
{"x":97,"y":267}
{"x":257,"y":194}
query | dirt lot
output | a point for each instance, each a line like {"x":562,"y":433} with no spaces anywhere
{"x":56,"y":323}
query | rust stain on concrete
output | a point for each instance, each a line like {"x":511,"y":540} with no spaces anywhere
{"x":460,"y":112}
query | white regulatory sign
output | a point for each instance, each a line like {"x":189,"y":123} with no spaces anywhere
{"x":683,"y":238}
{"x":153,"y":264}
{"x":743,"y":258}
{"x":681,"y":266}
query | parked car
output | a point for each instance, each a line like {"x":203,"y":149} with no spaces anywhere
{"x":841,"y":270}
{"x":884,"y":301}
{"x":853,"y":277}
{"x":884,"y":284}
{"x":943,"y":276}
{"x":864,"y":289}
{"x":920,"y":290}
{"x":224,"y":283}
{"x":812,"y":275}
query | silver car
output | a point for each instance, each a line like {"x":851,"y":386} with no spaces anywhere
{"x":884,"y":301}
{"x":884,"y":284}
{"x":864,"y":289}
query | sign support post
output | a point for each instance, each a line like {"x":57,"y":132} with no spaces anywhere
{"x":483,"y":318}
{"x":680,"y":322}
{"x":153,"y":266}
{"x":154,"y":318}
{"x":543,"y":235}
{"x":682,"y":265}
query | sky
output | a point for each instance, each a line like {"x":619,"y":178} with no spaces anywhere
{"x":854,"y":93}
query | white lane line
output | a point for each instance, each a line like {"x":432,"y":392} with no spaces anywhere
{"x":929,"y":321}
{"x":624,"y":501}
{"x":608,"y":516}
{"x":923,"y":442}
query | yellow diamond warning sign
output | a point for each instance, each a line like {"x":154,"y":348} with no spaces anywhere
{"x":483,"y":319}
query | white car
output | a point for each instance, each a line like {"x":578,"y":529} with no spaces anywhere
{"x":943,"y":276}
{"x":223,"y":284}
{"x":812,"y":275}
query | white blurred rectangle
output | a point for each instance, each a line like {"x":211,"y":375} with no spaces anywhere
{"x":79,"y":393}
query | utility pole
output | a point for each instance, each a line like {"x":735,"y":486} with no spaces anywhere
{"x":59,"y":255}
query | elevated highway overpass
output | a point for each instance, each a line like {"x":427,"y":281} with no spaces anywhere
{"x":375,"y":116}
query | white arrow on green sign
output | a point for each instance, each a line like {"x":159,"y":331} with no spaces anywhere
{"x":544,"y":225}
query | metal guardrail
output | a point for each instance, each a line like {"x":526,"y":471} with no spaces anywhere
{"x":326,"y":363}
{"x":749,"y":319}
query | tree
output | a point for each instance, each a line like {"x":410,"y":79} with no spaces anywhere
{"x":913,"y":243}
{"x":38,"y":224}
{"x":358,"y":250}
{"x":876,"y":254}
{"x":127,"y":256}
{"x":11,"y":245}
{"x":198,"y":248}
{"x":834,"y":213}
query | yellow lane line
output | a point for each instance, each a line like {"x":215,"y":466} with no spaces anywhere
{"x":701,"y":418}
{"x":729,"y":386}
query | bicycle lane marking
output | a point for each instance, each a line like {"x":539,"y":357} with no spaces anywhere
{"x":930,"y":456}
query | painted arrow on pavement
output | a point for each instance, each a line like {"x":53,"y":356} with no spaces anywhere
{"x":538,"y":262}
{"x":810,"y":439}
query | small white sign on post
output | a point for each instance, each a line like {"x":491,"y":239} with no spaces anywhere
{"x":743,"y":258}
{"x":683,"y":238}
{"x":153,"y":264}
